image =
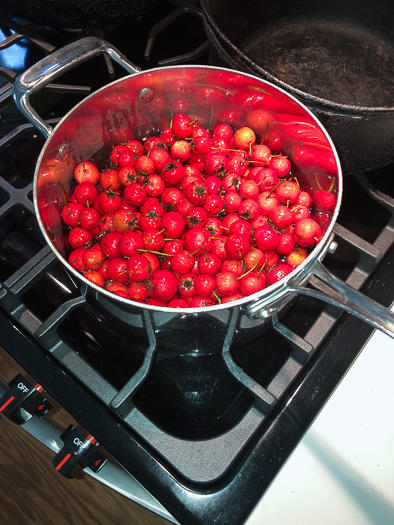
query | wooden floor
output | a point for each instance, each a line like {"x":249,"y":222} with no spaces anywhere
{"x":32,"y":492}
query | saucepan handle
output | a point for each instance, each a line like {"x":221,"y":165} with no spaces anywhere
{"x":350,"y":300}
{"x":55,"y":65}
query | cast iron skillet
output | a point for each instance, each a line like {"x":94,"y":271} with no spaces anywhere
{"x":337,"y":57}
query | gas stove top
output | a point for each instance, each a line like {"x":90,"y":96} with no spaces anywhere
{"x":205,"y":434}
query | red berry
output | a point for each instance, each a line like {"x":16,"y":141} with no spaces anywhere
{"x":164,"y":285}
{"x":260,"y":154}
{"x":252,"y":283}
{"x":86,"y":193}
{"x":178,"y":303}
{"x":70,"y":214}
{"x":201,"y":302}
{"x":138,"y":291}
{"x":288,"y":192}
{"x":215,"y":163}
{"x":304,"y":199}
{"x":135,"y":194}
{"x":204,"y":285}
{"x":237,"y":164}
{"x":182,"y":262}
{"x":196,"y":216}
{"x":213,"y":205}
{"x":255,"y":258}
{"x":299,"y":212}
{"x":117,"y":270}
{"x":241,"y":227}
{"x":154,"y":185}
{"x":227,"y":283}
{"x":196,"y":193}
{"x":202,"y":145}
{"x":296,"y":257}
{"x":144,"y":165}
{"x":197,"y":239}
{"x":267,"y":202}
{"x":281,"y":166}
{"x":125,"y":220}
{"x":95,"y":278}
{"x":233,"y":265}
{"x":127,"y":176}
{"x":173,"y":223}
{"x":223,"y":131}
{"x":231,"y":298}
{"x":186,"y":285}
{"x":130,"y":243}
{"x":249,"y":189}
{"x":126,"y":158}
{"x":75,"y":259}
{"x":266,"y":238}
{"x":277,"y":273}
{"x":281,"y":216}
{"x":109,"y":180}
{"x":307,"y":232}
{"x":266,"y":179}
{"x":286,"y":244}
{"x":110,"y":201}
{"x":160,"y":158}
{"x":244,"y":138}
{"x":86,"y":172}
{"x":89,"y":218}
{"x":181,"y":150}
{"x":92,"y":258}
{"x":80,"y":238}
{"x":110,"y":244}
{"x":138,"y":268}
{"x":153,"y":239}
{"x":249,"y":210}
{"x":181,"y":126}
{"x":172,"y":173}
{"x":171,"y":196}
{"x":209,"y":264}
{"x":232,"y":201}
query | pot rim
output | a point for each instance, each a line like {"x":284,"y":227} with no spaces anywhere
{"x":327,"y":104}
{"x":298,"y":274}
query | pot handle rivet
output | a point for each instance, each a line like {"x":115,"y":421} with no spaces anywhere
{"x":332,"y":247}
{"x":64,"y":151}
{"x":146,"y":95}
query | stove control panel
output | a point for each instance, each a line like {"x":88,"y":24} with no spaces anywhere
{"x":23,"y":400}
{"x":79,"y":451}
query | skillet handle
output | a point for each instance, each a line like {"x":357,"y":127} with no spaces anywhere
{"x":55,"y":65}
{"x":350,"y":300}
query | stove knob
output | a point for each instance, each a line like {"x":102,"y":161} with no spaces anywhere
{"x":23,"y":400}
{"x":78,"y":452}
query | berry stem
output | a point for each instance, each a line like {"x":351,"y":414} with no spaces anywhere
{"x":157,"y":253}
{"x":251,"y":270}
{"x":217,"y":297}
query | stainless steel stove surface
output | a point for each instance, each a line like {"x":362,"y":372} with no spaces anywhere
{"x":204,"y":434}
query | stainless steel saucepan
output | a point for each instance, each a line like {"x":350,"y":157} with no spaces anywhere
{"x":141,"y":104}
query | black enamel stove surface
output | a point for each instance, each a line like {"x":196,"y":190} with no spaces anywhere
{"x":205,"y":434}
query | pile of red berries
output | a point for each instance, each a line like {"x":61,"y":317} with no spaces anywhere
{"x":191,"y":218}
